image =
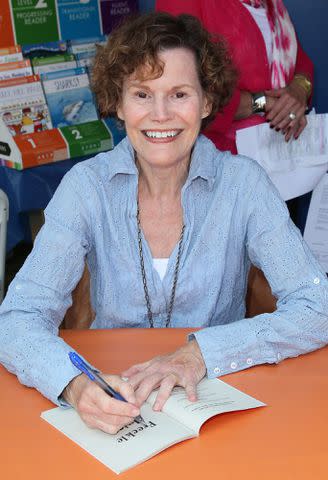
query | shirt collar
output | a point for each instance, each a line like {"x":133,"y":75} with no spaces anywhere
{"x":203,"y":160}
{"x":121,"y":160}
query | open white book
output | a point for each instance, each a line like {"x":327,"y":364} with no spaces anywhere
{"x":135,"y":443}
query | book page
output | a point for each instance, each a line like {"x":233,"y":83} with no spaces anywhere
{"x":295,"y":167}
{"x":214,"y":397}
{"x":133,"y":444}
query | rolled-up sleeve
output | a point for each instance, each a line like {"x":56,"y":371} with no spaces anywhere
{"x":40,"y":294}
{"x":300,"y":323}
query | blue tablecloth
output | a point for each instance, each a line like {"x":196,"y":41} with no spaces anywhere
{"x":28,"y":190}
{"x":32,"y":188}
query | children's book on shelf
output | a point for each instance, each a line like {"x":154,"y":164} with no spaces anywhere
{"x":23,"y":107}
{"x":89,"y":44}
{"x":21,"y":68}
{"x":53,"y":63}
{"x":78,"y":16}
{"x":135,"y":443}
{"x":114,"y":11}
{"x":85,"y":59}
{"x":11,"y":54}
{"x":69,"y":97}
{"x":34,"y":20}
{"x":44,"y":49}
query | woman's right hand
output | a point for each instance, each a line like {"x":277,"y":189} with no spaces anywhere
{"x":99,"y":410}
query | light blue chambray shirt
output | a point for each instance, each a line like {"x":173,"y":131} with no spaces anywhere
{"x":233,"y":216}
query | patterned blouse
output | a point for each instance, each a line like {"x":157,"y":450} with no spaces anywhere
{"x":233,"y":217}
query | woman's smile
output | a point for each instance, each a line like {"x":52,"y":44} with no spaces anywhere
{"x":161,"y":136}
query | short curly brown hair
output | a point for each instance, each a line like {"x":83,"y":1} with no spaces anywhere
{"x":137,"y":42}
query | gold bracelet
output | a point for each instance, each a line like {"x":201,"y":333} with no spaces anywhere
{"x":304,"y":82}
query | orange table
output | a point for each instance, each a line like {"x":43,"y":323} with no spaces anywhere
{"x":286,"y":440}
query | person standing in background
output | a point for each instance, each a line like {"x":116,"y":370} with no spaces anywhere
{"x":275,"y":75}
{"x":274,"y":85}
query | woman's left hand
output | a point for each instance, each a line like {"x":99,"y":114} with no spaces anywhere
{"x":184,"y":367}
{"x":286,"y":112}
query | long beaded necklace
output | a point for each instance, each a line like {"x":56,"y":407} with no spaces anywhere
{"x":144,"y":279}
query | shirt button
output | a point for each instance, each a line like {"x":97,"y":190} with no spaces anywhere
{"x":233,"y":365}
{"x":249,"y":361}
{"x":216,"y":370}
{"x":316,"y":280}
{"x":18,"y":286}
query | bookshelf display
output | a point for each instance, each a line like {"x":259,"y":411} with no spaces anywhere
{"x":28,"y":136}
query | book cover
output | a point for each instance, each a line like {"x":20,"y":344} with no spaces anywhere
{"x":114,"y":11}
{"x":85,"y":59}
{"x":34,"y":20}
{"x":21,"y":68}
{"x":7,"y":36}
{"x":34,"y":118}
{"x":69,"y":97}
{"x":76,"y":17}
{"x":86,"y":45}
{"x":53,"y":63}
{"x":23,"y":106}
{"x":179,"y":420}
{"x":21,"y":92}
{"x":44,"y":49}
{"x":11,"y":54}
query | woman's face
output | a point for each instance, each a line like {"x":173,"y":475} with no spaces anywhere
{"x":163,"y":116}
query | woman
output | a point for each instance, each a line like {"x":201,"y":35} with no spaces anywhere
{"x":275,"y":74}
{"x":168,"y":225}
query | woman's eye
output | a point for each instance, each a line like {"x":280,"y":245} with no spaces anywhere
{"x":141,"y":94}
{"x":180,"y":95}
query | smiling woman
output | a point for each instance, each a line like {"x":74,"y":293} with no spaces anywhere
{"x":169,"y":226}
{"x":162,"y":116}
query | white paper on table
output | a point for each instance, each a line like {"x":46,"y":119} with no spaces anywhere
{"x":295,"y":167}
{"x":316,"y":228}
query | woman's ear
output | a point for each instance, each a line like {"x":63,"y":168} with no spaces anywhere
{"x":119,"y":113}
{"x":207,"y":107}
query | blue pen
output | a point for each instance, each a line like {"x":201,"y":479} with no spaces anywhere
{"x":93,"y":375}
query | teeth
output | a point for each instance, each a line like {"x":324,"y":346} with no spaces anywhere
{"x":169,"y":133}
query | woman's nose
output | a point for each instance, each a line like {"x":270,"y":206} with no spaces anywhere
{"x":161,"y":111}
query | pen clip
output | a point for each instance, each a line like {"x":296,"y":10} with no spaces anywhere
{"x":81,"y":365}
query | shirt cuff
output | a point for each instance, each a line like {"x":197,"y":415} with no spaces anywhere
{"x":230,"y":348}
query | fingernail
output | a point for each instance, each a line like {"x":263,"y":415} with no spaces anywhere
{"x":271,"y":126}
{"x":135,"y":412}
{"x":277,"y":129}
{"x":156,"y":406}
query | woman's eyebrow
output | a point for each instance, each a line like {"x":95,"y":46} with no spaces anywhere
{"x":140,"y":84}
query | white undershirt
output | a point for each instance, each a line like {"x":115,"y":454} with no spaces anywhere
{"x":160,"y":265}
{"x":261,"y":19}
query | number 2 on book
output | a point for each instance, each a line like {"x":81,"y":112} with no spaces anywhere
{"x":41,"y":4}
{"x":77,"y":134}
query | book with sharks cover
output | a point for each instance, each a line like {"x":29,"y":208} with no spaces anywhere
{"x":69,"y":97}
